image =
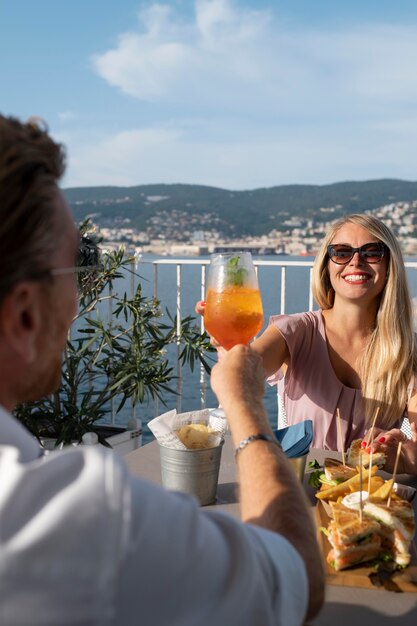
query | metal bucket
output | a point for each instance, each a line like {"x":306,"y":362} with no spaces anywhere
{"x":298,"y":464}
{"x":195,"y":472}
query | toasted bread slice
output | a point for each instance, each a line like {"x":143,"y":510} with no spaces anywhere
{"x":335,"y":470}
{"x":402,"y":509}
{"x":353,"y":531}
{"x":398,"y":516}
{"x":341,"y":514}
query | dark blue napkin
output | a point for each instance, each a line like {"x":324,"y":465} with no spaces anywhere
{"x":295,"y":440}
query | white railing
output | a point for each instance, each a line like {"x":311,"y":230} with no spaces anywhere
{"x":204,"y":262}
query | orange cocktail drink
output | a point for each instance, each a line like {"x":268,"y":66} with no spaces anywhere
{"x":233,"y":311}
{"x":234,"y":315}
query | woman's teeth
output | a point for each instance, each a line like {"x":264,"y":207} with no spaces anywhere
{"x":356,"y":278}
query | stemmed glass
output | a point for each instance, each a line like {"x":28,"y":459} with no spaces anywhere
{"x":233,"y":311}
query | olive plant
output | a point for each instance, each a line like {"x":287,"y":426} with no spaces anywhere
{"x":111,"y":358}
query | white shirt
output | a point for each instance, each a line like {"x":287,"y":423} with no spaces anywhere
{"x":83,"y":542}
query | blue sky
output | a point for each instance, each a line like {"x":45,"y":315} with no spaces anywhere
{"x":238,"y":94}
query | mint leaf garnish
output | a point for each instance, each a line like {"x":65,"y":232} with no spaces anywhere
{"x":235,"y":275}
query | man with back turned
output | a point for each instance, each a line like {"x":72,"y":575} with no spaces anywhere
{"x":83,"y":541}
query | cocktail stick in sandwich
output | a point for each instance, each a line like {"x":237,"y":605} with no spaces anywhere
{"x":378,"y":458}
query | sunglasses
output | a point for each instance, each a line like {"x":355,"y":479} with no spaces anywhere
{"x":341,"y":253}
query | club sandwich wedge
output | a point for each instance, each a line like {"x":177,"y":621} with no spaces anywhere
{"x":353,"y":541}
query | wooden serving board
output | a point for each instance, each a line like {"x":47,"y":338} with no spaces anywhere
{"x":405,"y":580}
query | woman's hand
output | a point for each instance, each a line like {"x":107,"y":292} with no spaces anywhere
{"x":387,"y":442}
{"x":200,"y":308}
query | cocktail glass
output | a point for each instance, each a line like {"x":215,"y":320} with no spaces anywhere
{"x":233,"y":311}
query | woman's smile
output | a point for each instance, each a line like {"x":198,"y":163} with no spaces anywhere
{"x":357,"y":278}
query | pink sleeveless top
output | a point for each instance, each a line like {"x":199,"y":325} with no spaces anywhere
{"x":310,"y":388}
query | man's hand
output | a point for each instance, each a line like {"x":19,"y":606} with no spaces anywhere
{"x":239,"y":378}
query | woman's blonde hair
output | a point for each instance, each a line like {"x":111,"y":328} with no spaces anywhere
{"x":389,"y":362}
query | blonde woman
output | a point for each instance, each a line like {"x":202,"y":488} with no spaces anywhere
{"x":357,"y":352}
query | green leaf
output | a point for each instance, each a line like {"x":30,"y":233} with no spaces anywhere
{"x":235,"y":275}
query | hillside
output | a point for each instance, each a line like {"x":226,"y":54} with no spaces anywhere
{"x":234,"y":213}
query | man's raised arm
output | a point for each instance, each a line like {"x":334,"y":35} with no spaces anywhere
{"x":270,"y":493}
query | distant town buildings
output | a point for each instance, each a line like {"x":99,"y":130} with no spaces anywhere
{"x":181,"y":233}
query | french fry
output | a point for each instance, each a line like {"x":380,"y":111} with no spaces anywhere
{"x":375,"y":483}
{"x":383,"y":491}
{"x":342,"y":489}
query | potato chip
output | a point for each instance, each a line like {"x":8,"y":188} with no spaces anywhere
{"x":195,"y":436}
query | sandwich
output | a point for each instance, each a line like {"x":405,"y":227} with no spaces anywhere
{"x":354,"y":452}
{"x":332,"y":473}
{"x":397,"y":526}
{"x":335,"y":472}
{"x":353,"y":541}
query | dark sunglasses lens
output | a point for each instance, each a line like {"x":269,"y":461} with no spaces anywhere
{"x":340,"y":254}
{"x":372,"y":253}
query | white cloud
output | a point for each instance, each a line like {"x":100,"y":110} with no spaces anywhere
{"x":244,"y":100}
{"x":220,"y":22}
{"x":117,"y":159}
{"x":186,"y":62}
{"x":164,"y":155}
{"x":230,"y":56}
